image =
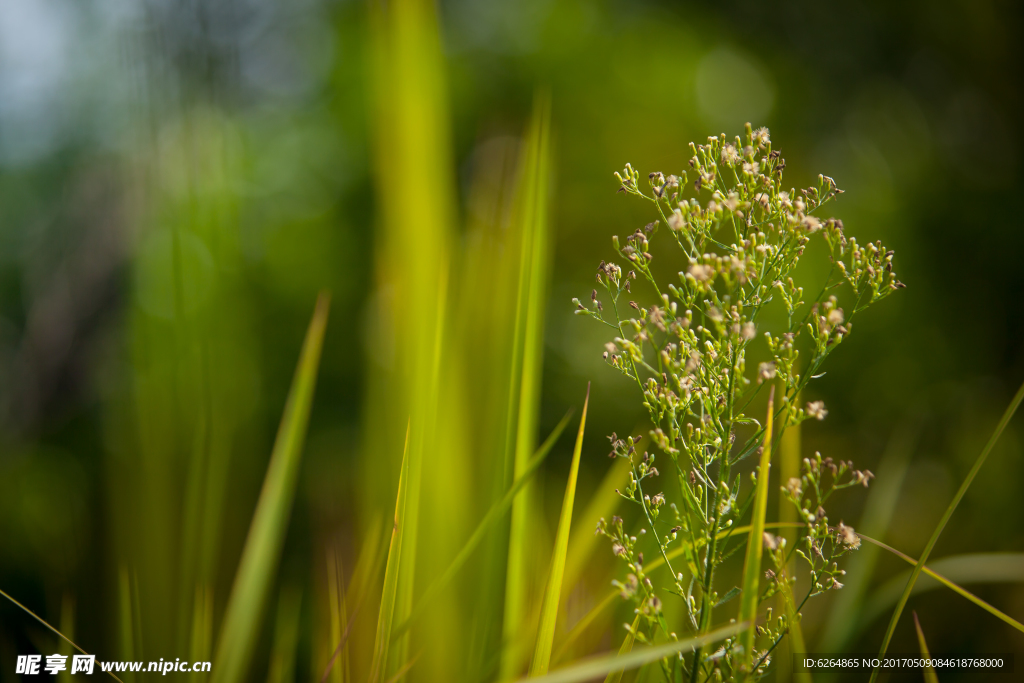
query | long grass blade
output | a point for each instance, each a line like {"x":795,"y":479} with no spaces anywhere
{"x":929,"y":671}
{"x":532,"y":209}
{"x":44,"y":623}
{"x":602,"y":665}
{"x":552,"y":595}
{"x":627,"y":647}
{"x":266,"y":534}
{"x":755,"y":545}
{"x":496,"y":512}
{"x":1007,"y":416}
{"x":979,"y":567}
{"x":390,"y":591}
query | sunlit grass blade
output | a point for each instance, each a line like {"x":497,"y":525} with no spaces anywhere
{"x":972,"y":568}
{"x":389,"y":593}
{"x":286,"y":636}
{"x":496,"y":512}
{"x":601,"y":665}
{"x":44,"y":623}
{"x":878,"y":514}
{"x":553,"y":592}
{"x":266,"y":534}
{"x":1010,"y":410}
{"x":531,"y":212}
{"x":627,"y":647}
{"x":755,"y":544}
{"x":929,"y":671}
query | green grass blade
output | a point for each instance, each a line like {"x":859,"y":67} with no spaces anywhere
{"x":496,"y":512}
{"x":975,"y":567}
{"x":532,"y":207}
{"x":552,"y":595}
{"x":1010,"y":410}
{"x":929,"y":671}
{"x":601,"y":665}
{"x":755,"y":544}
{"x":389,"y":593}
{"x":266,"y":534}
{"x":44,"y":623}
{"x":627,"y":647}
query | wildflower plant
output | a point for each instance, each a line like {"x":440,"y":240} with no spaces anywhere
{"x":741,"y":234}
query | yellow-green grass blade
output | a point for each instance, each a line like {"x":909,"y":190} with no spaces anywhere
{"x":496,"y":512}
{"x":286,"y":636}
{"x":414,"y":169}
{"x":1007,"y":416}
{"x":266,"y":534}
{"x":971,"y":568}
{"x":627,"y":646}
{"x":584,"y":623}
{"x":755,"y":545}
{"x":389,"y":593}
{"x":601,"y":665}
{"x":44,"y":623}
{"x":553,"y":592}
{"x":929,"y":671}
{"x":532,"y":207}
{"x":878,"y":513}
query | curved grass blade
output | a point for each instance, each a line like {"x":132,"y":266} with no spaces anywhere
{"x":266,"y":535}
{"x":627,"y":646}
{"x":390,"y":591}
{"x":929,"y":671}
{"x":496,"y":512}
{"x":755,"y":546}
{"x":993,"y":567}
{"x":601,"y":665}
{"x":43,"y":622}
{"x":552,"y":595}
{"x":1010,"y":410}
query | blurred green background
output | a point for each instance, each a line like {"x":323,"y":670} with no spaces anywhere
{"x":235,"y":139}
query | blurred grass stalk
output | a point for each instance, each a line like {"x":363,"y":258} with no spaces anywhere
{"x":466,"y":360}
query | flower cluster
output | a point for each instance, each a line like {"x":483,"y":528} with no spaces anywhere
{"x":686,"y":345}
